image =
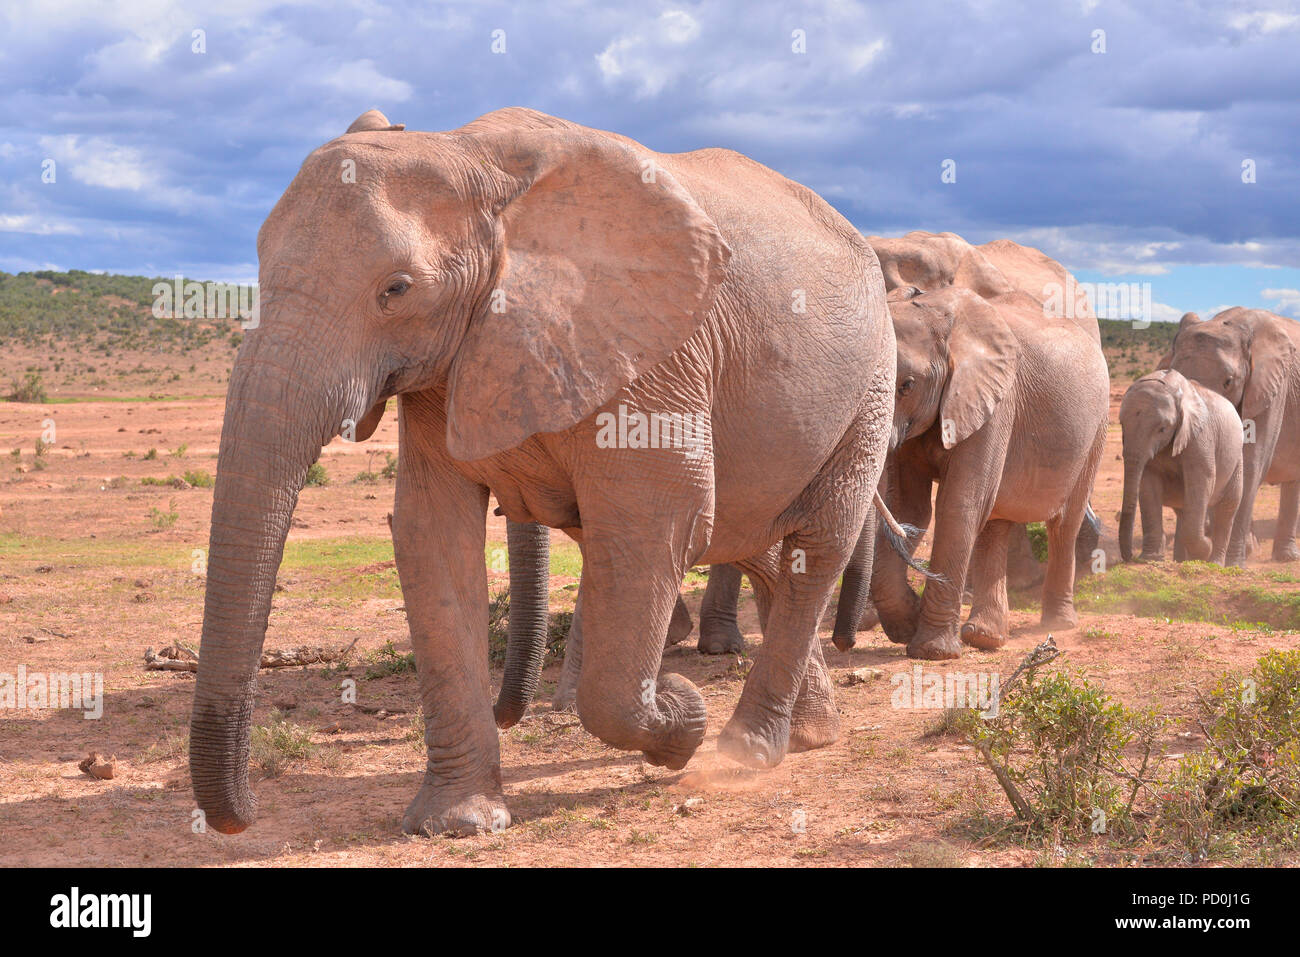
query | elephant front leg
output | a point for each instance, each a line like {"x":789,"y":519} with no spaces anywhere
{"x":987,"y":626}
{"x":962,"y":507}
{"x":1284,"y":544}
{"x":1196,"y":545}
{"x":438,"y":539}
{"x":1151,"y":499}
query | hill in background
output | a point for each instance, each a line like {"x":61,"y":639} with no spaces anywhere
{"x":80,"y":335}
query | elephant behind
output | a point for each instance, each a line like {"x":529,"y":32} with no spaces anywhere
{"x":1182,"y":448}
{"x":1252,"y":359}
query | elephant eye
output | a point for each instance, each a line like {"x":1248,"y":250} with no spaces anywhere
{"x":396,"y":288}
{"x":906,"y":385}
{"x":1227,"y":383}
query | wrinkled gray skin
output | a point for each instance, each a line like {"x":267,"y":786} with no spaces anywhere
{"x":1252,"y":358}
{"x":1182,"y":448}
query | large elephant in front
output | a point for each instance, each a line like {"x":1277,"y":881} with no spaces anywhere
{"x":677,"y":359}
{"x":1005,"y":408}
{"x":1250,"y":357}
{"x":1182,"y":448}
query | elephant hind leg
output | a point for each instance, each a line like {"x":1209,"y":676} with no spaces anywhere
{"x":814,"y":719}
{"x":787,"y":703}
{"x":987,"y":626}
{"x":1284,"y":544}
{"x":719,"y":629}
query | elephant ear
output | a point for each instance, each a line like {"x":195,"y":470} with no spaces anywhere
{"x":1272,"y":356}
{"x":1192,"y":415}
{"x":606,"y":266}
{"x":983,"y":354}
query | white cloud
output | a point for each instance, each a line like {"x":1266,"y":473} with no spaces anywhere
{"x":1264,"y":21}
{"x":361,"y":78}
{"x":1284,"y":300}
{"x":26,"y":223}
{"x":647,"y":57}
{"x":97,"y":161}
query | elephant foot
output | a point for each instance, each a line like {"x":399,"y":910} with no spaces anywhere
{"x":983,"y":635}
{"x":1061,"y":618}
{"x":1147,"y":558}
{"x":685,"y":720}
{"x":935,"y":646}
{"x":753,"y":749}
{"x":1286,"y":551}
{"x":680,"y":627}
{"x":434,"y":813}
{"x":900,"y":631}
{"x":720,"y":638}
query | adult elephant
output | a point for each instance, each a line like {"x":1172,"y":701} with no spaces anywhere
{"x":1006,"y":409}
{"x":536,"y":293}
{"x":1249,"y":357}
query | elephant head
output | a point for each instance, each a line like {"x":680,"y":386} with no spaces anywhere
{"x":1161,"y":410}
{"x":1243,"y":354}
{"x":957,"y":358}
{"x":930,"y":261}
{"x":492,"y":266}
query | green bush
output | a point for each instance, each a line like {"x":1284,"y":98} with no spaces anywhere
{"x":316,"y":474}
{"x":30,"y":389}
{"x":1072,"y":760}
{"x":277,"y":744}
{"x":1244,"y":787}
{"x":199,"y":478}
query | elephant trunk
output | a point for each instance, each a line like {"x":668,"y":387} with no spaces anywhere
{"x":274,"y":427}
{"x":530,"y":566}
{"x":1133,"y":468}
{"x":854,"y":595}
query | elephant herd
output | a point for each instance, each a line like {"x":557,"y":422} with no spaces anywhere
{"x":681,"y":360}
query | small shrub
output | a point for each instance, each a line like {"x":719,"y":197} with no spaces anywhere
{"x":30,"y":389}
{"x":180,"y":450}
{"x":1037,"y":540}
{"x":316,"y":474}
{"x":1061,"y":749}
{"x":163,"y":520}
{"x":390,"y":466}
{"x":278,"y":743}
{"x":151,"y":455}
{"x":1244,"y":787}
{"x":198,"y":478}
{"x":389,"y":661}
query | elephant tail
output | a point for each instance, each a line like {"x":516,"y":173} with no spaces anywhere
{"x":1091,"y":518}
{"x":900,"y":536}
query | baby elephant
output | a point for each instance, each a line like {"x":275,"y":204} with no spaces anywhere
{"x":1182,"y":448}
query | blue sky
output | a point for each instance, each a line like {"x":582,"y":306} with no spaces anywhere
{"x":1127,"y":164}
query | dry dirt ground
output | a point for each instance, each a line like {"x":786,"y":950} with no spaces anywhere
{"x":95,"y":567}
